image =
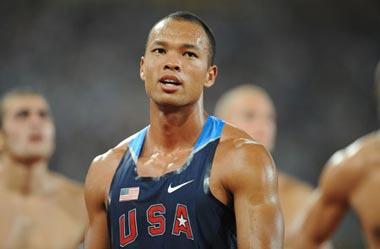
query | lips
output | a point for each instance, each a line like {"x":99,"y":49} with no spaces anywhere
{"x":170,"y":83}
{"x":36,"y":137}
{"x":170,"y":79}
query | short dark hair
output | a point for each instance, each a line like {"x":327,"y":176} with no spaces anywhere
{"x":191,"y":17}
{"x":16,"y":92}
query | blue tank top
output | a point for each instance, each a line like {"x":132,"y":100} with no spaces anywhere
{"x":174,"y":211}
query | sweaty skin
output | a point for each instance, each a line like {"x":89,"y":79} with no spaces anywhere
{"x":351,"y":178}
{"x":39,"y":209}
{"x":243,"y":174}
{"x":250,"y":108}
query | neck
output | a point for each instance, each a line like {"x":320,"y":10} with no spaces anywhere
{"x":24,"y":176}
{"x":174,"y":128}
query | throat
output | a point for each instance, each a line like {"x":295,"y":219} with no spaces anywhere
{"x":177,"y":129}
{"x":24,"y":179}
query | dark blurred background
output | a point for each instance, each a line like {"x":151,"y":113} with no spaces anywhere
{"x":316,"y":58}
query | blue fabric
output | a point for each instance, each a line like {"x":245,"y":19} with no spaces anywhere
{"x":212,"y":130}
{"x":176,"y":210}
{"x":136,"y":143}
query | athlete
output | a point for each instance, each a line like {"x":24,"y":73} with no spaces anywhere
{"x":188,"y":180}
{"x":351,"y":178}
{"x":39,"y":209}
{"x":251,"y":108}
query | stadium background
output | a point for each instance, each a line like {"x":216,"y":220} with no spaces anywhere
{"x":315,"y":58}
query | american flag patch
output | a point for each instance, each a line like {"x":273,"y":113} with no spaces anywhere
{"x":129,"y":194}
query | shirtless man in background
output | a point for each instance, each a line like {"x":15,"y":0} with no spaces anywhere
{"x":351,"y":178}
{"x":39,"y":209}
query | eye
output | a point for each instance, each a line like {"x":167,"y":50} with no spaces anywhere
{"x":44,"y":114}
{"x":22,"y":114}
{"x":159,"y":51}
{"x":190,"y":54}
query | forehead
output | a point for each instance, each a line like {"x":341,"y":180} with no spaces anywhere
{"x":29,"y":102}
{"x":182,"y":32}
{"x":252,"y":101}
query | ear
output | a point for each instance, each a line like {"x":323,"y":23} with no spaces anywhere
{"x":211,"y":76}
{"x":142,"y":76}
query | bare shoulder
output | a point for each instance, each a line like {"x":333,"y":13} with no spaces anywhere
{"x":108,"y":161}
{"x":101,"y":171}
{"x":236,"y":144}
{"x":231,"y":132}
{"x":68,"y":195}
{"x":245,"y":159}
{"x":67,"y":186}
{"x":368,"y":148}
{"x":347,"y":167}
{"x":360,"y":152}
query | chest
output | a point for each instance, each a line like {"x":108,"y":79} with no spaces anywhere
{"x":169,"y":202}
{"x":150,"y":209}
{"x":158,"y":164}
{"x":184,"y":185}
{"x":36,"y":223}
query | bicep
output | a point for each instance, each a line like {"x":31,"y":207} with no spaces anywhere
{"x":258,"y":225}
{"x":257,"y":209}
{"x":97,"y":232}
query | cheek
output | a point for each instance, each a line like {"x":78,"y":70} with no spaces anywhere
{"x":198,"y":71}
{"x":149,"y":76}
{"x":14,"y":133}
{"x":196,"y":88}
{"x":148,"y":68}
{"x":49,"y":132}
{"x":273,"y":130}
{"x":15,"y":139}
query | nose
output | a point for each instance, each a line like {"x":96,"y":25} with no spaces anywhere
{"x":172,"y":63}
{"x":172,"y":67}
{"x":35,"y":120}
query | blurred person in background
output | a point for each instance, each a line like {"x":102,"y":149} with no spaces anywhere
{"x":350,"y":179}
{"x":39,"y":209}
{"x":185,"y":181}
{"x":250,"y":107}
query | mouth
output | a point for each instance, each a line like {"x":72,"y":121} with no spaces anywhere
{"x":35,"y":138}
{"x":170,"y":79}
{"x":170,"y":83}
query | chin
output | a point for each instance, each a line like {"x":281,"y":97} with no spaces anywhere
{"x":170,"y":101}
{"x":38,"y":154}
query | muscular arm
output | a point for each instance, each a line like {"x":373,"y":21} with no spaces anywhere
{"x":329,"y":203}
{"x":253,"y":184}
{"x":97,"y":233}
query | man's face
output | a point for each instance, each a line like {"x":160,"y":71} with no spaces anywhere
{"x":175,"y":66}
{"x":255,"y":114}
{"x":28,"y":131}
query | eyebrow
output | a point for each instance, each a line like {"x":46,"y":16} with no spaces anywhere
{"x":185,"y":45}
{"x":23,"y":109}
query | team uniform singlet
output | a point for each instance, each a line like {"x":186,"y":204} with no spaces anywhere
{"x":174,"y":211}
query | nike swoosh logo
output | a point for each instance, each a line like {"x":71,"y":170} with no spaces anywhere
{"x":172,"y":189}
